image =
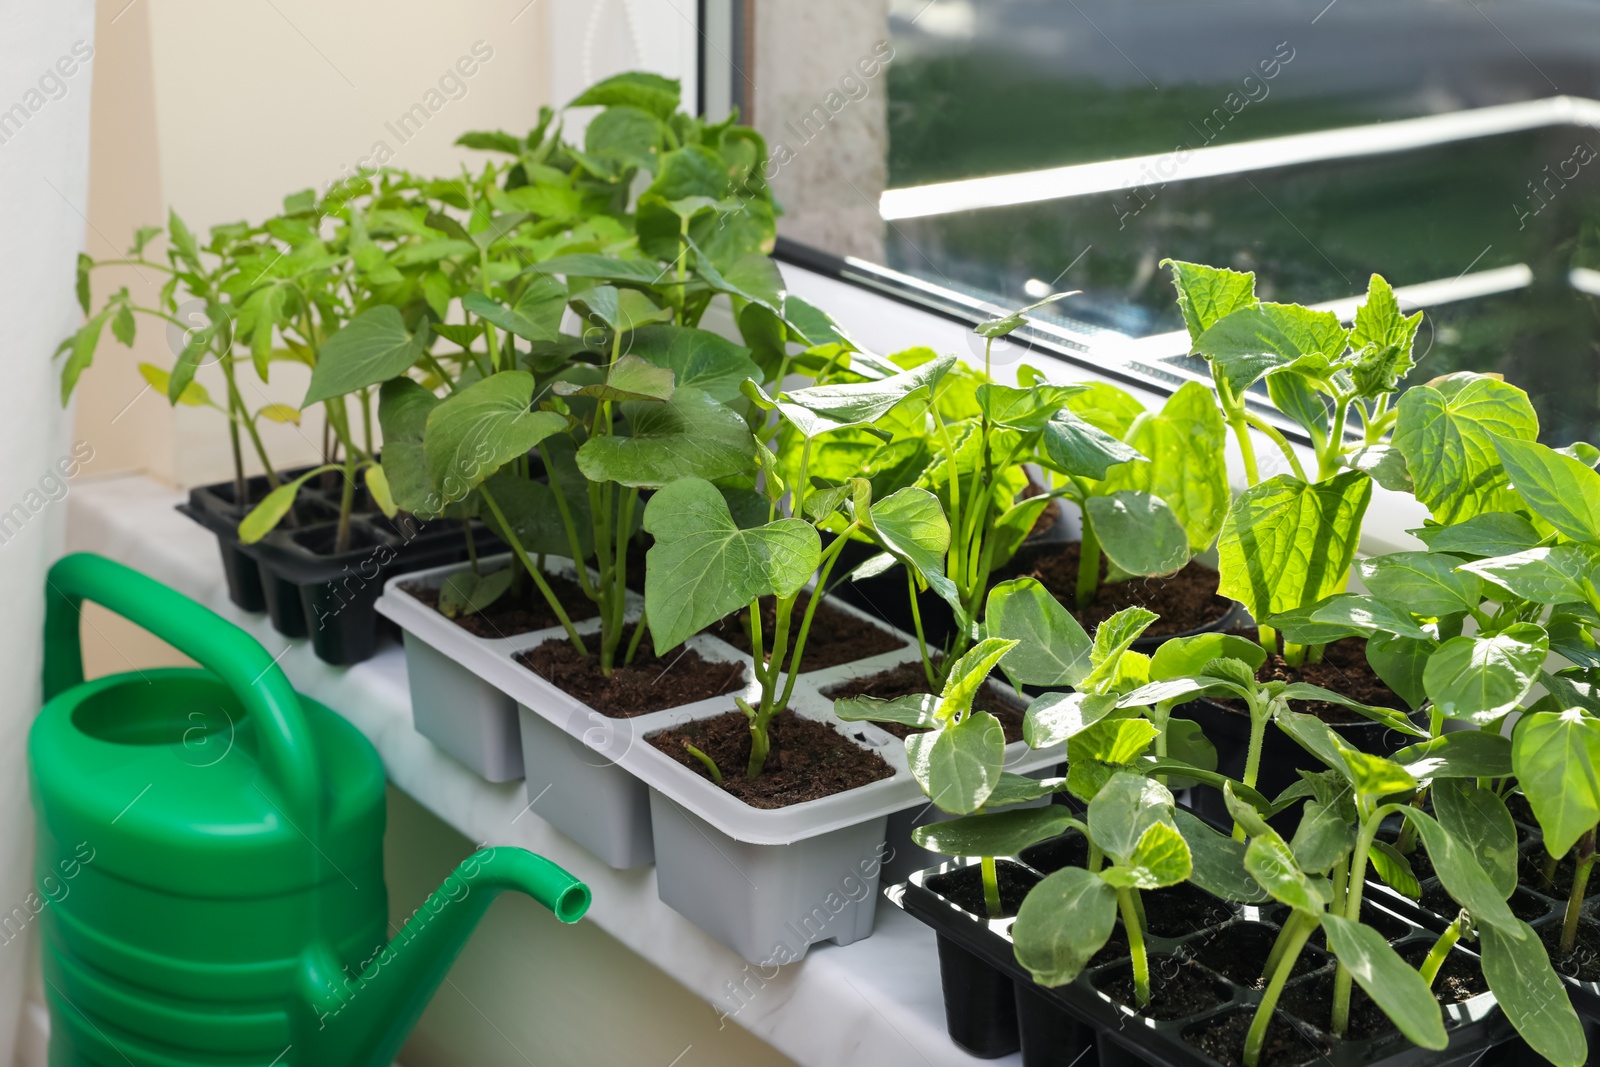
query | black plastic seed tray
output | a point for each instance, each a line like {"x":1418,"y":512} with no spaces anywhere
{"x":1084,"y":1023}
{"x":306,"y":588}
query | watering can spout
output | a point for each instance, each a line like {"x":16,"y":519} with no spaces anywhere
{"x":364,"y":1020}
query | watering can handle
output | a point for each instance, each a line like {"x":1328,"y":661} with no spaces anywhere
{"x":288,"y":752}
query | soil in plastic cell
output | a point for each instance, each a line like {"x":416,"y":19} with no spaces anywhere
{"x":1343,"y":669}
{"x":1239,"y":953}
{"x":1392,"y":928}
{"x":908,"y":679}
{"x":649,"y":683}
{"x":1460,"y":977}
{"x":1181,"y":909}
{"x":807,"y":759}
{"x":1184,"y":601}
{"x":963,"y":887}
{"x":836,"y":636}
{"x":1222,"y":1038}
{"x":1178,"y":989}
{"x":1068,"y":850}
{"x":1531,"y":874}
{"x":516,"y":613}
{"x":1311,"y":1001}
{"x":1524,"y":905}
{"x":1583,"y":962}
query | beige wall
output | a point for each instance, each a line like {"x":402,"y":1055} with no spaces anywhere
{"x":220,"y":109}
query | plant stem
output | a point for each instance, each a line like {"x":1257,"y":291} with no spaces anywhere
{"x":1141,"y":960}
{"x":1441,"y":948}
{"x":710,"y":764}
{"x":1277,"y":438}
{"x":1088,"y":564}
{"x":1583,"y":860}
{"x":633,"y":642}
{"x":916,"y":622}
{"x":1269,"y":999}
{"x":830,"y":555}
{"x":472,"y":547}
{"x":533,"y":572}
{"x":1259,"y":716}
{"x":1234,"y":411}
{"x":991,"y":887}
{"x":1342,"y":977}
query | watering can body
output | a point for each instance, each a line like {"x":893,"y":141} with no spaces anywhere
{"x":209,"y":868}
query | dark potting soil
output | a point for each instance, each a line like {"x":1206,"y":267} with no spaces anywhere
{"x":1524,"y":905}
{"x":513,"y":614}
{"x":807,"y":759}
{"x":1521,"y":810}
{"x":1391,"y":928}
{"x":649,"y":683}
{"x":1185,"y":601}
{"x":908,"y":678}
{"x":1530,"y":872}
{"x":1343,"y":669}
{"x":1311,"y":1001}
{"x":1180,"y":910}
{"x":1069,"y":850}
{"x":1177,"y":988}
{"x":1239,"y":953}
{"x":1222,"y":1038}
{"x":963,"y":887}
{"x":835,"y":637}
{"x":1459,"y":978}
{"x":1583,"y":962}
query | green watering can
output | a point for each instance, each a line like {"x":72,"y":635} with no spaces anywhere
{"x":210,"y":857}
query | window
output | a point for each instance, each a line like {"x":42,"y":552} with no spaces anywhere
{"x":1005,"y":149}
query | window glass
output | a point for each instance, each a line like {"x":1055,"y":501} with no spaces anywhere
{"x":1452,"y":145}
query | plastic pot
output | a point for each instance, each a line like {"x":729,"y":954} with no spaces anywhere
{"x":1056,"y":1022}
{"x":216,"y":508}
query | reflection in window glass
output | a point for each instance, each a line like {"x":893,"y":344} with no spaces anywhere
{"x":1451,"y":145}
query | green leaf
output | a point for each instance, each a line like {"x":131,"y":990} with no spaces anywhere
{"x":82,"y":345}
{"x":968,"y":673}
{"x":1125,"y":807}
{"x":822,"y":408}
{"x":1272,"y":864}
{"x":531,"y":510}
{"x":1557,"y":759}
{"x":183,"y":242}
{"x":651,"y":93}
{"x":1462,"y":875}
{"x":912,"y":527}
{"x":378,"y":487}
{"x":273,"y":507}
{"x":1184,"y":445}
{"x":1391,"y":982}
{"x":1480,"y":821}
{"x":1292,"y":394}
{"x":123,"y":327}
{"x":1102,"y":750}
{"x":703,"y":566}
{"x":476,"y":431}
{"x":1384,"y":464}
{"x":1394,"y":869}
{"x":625,"y":136}
{"x":1020,"y":789}
{"x":1367,"y":615}
{"x":1255,"y":341}
{"x":1001,"y":833}
{"x":959,"y":766}
{"x":608,"y":268}
{"x":1427,"y":583}
{"x":1056,"y":717}
{"x":1446,"y":431}
{"x":535,"y":316}
{"x":81,"y":282}
{"x":1316,"y":737}
{"x":371,"y":348}
{"x":1218,"y":861}
{"x":1062,"y":923}
{"x":1400,"y":662}
{"x":1561,"y":490}
{"x":1024,"y":409}
{"x":1180,"y":657}
{"x":999,"y":327}
{"x":1139,"y":533}
{"x":629,"y":378}
{"x":1209,"y":294}
{"x":1075,"y":446}
{"x":194,"y":394}
{"x":697,"y":358}
{"x":1052,"y":648}
{"x":1494,"y":533}
{"x":1112,"y":638}
{"x":403,"y":407}
{"x":1286,"y":543}
{"x":1161,"y":858}
{"x":914,"y":709}
{"x":1458,"y":754}
{"x":1383,"y":338}
{"x":468,"y":593}
{"x":1553,"y":575}
{"x":1481,"y":678}
{"x":1323,"y":838}
{"x":1533,"y":997}
{"x":690,"y":435}
{"x":619,"y":310}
